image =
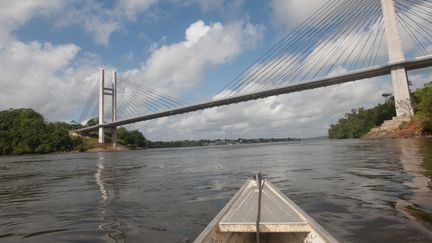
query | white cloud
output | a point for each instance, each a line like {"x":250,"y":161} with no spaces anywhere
{"x":419,"y":77}
{"x":155,"y":45}
{"x":179,"y":67}
{"x":128,"y":56}
{"x":42,"y":76}
{"x":15,"y":13}
{"x":227,"y":6}
{"x":50,"y":78}
{"x":293,"y":12}
{"x":99,"y":20}
{"x":198,"y":30}
{"x":131,"y":8}
{"x":230,"y":9}
{"x":208,"y":5}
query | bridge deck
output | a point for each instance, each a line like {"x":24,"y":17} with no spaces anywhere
{"x":376,"y":71}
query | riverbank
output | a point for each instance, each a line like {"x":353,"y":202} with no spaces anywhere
{"x":381,"y":121}
{"x":107,"y":148}
{"x":409,"y":129}
{"x":25,"y":131}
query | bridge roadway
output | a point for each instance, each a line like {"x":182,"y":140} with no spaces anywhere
{"x":417,"y":63}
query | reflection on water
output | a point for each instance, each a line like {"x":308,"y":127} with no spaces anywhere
{"x":417,"y":205}
{"x":360,"y":191}
{"x":99,"y":182}
{"x":108,"y":216}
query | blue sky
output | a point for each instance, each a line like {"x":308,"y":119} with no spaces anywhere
{"x":50,"y":51}
{"x":166,"y":23}
{"x":162,"y":23}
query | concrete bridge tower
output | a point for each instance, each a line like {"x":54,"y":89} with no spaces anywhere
{"x":101,"y":132}
{"x":113,"y":93}
{"x":114,"y":107}
{"x":404,"y":109}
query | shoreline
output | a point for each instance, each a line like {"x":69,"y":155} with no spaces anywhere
{"x":408,"y":130}
{"x":374,"y":134}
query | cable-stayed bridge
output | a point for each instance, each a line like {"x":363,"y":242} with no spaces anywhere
{"x":343,"y":41}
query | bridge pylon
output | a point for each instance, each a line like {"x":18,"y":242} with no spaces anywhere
{"x":401,"y":91}
{"x":103,"y":91}
{"x":101,"y":132}
{"x":114,"y":107}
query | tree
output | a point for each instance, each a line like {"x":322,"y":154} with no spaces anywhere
{"x":424,"y":97}
{"x":359,"y":121}
{"x":424,"y":107}
{"x":92,"y":122}
{"x":25,"y":131}
{"x":133,"y":139}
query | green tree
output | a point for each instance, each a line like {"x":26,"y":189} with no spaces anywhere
{"x":423,"y":97}
{"x":132,"y":139}
{"x":359,"y":121}
{"x":92,"y":122}
{"x":25,"y":131}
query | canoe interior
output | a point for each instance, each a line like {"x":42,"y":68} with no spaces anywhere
{"x":281,"y":219}
{"x":236,"y":237}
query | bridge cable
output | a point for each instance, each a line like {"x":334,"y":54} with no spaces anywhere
{"x":298,"y":44}
{"x":277,"y":77}
{"x":281,"y":43}
{"x":89,"y":104}
{"x":409,"y":14}
{"x":170,"y":101}
{"x":311,"y":61}
{"x":311,"y":42}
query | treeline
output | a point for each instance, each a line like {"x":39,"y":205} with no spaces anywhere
{"x":423,"y":99}
{"x":132,"y":139}
{"x":360,"y":121}
{"x":24,"y":131}
{"x":179,"y":143}
{"x":208,"y":142}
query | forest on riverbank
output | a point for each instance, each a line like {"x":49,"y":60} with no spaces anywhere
{"x":360,"y":121}
{"x":25,"y":131}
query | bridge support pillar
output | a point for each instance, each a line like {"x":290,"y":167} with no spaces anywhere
{"x":402,"y":97}
{"x":101,"y":106}
{"x":114,"y":107}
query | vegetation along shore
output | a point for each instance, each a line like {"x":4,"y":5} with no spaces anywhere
{"x":25,"y":131}
{"x":367,"y":123}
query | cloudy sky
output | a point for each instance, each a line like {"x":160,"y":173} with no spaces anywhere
{"x":50,"y":52}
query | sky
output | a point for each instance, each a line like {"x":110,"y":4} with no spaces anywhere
{"x":51,"y":51}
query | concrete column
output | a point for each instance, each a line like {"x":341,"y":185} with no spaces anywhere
{"x":101,"y":106}
{"x":114,"y":107}
{"x":399,"y":77}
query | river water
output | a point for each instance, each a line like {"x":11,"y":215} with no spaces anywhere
{"x":360,"y":191}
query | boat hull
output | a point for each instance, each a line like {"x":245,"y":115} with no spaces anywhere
{"x":281,"y":219}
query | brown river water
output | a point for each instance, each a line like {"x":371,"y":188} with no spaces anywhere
{"x":359,"y":190}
